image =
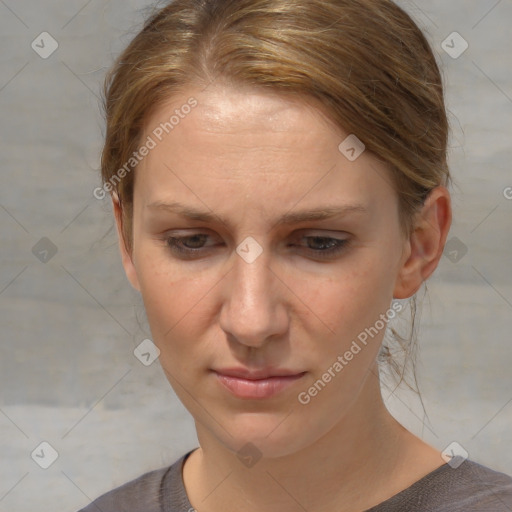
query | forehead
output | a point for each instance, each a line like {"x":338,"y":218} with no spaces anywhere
{"x":222,"y":105}
{"x":251,"y":143}
{"x":241,"y":111}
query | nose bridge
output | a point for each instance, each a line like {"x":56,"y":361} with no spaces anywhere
{"x":251,"y":276}
{"x":251,"y":310}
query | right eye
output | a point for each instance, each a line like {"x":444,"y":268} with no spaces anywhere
{"x":189,"y":246}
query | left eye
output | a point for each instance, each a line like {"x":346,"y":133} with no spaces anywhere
{"x":320,"y":243}
{"x":324,"y":246}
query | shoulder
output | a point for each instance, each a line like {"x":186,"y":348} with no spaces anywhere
{"x":144,"y":494}
{"x":469,"y":487}
{"x":479,"y":488}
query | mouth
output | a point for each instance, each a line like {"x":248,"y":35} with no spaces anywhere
{"x":255,"y":385}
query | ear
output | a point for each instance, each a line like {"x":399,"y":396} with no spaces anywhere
{"x":126,"y":255}
{"x":425,"y":246}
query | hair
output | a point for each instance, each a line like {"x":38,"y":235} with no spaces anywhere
{"x":364,"y":63}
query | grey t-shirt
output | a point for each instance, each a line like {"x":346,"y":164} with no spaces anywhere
{"x":470,"y":487}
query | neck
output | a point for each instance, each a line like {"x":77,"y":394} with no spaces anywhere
{"x":365,"y":451}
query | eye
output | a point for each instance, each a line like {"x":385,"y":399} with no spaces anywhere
{"x":188,"y":246}
{"x":325,"y":246}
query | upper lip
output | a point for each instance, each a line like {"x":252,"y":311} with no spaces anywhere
{"x":264,"y":373}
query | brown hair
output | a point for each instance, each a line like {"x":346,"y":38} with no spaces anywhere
{"x":364,"y":62}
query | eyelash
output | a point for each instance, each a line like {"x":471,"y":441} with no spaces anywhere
{"x":336,"y":245}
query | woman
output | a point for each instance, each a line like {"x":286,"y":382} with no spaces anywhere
{"x":279,"y":182}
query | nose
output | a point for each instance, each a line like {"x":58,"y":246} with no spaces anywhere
{"x":253,"y":310}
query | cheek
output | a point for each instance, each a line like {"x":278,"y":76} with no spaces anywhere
{"x":351,"y":306}
{"x":177,"y":303}
{"x":170,"y":300}
{"x":352,"y":297}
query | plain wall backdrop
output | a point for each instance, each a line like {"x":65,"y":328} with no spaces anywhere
{"x":70,"y":322}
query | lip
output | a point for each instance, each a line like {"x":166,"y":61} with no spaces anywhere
{"x":256,"y":384}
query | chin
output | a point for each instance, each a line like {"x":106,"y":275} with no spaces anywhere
{"x":263,"y":434}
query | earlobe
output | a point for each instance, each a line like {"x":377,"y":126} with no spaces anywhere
{"x":426,"y":243}
{"x":126,"y":255}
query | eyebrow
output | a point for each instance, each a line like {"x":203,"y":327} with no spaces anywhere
{"x":315,"y":214}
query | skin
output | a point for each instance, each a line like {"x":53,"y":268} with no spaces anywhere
{"x":249,"y":157}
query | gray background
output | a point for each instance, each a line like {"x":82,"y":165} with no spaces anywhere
{"x":69,"y":326}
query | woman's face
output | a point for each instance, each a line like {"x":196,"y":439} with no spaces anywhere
{"x":295,"y":255}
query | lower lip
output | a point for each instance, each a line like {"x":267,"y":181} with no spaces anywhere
{"x":257,"y":389}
